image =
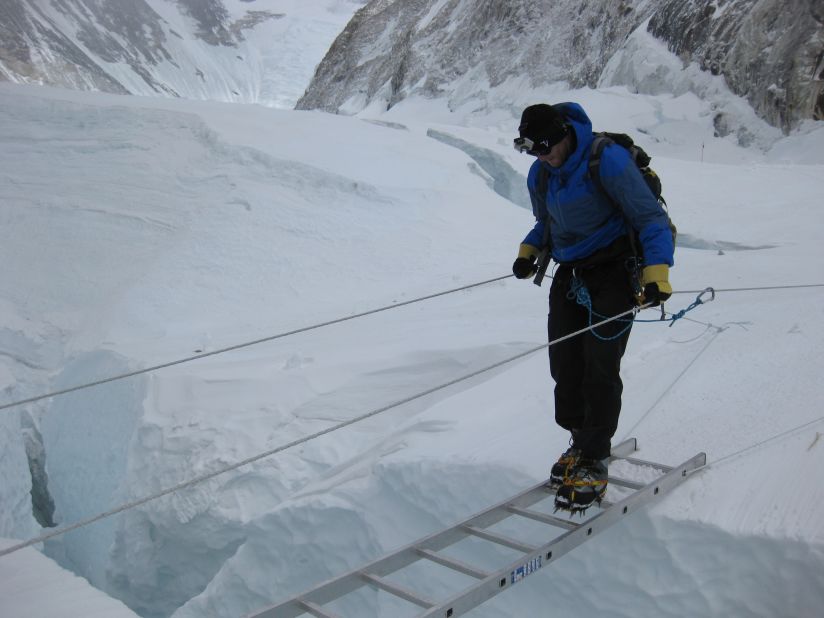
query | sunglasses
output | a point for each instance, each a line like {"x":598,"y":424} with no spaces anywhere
{"x":525,"y":145}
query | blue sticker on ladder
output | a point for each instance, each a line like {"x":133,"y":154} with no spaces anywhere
{"x":526,"y":569}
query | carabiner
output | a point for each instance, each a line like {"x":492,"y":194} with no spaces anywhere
{"x":711,"y":291}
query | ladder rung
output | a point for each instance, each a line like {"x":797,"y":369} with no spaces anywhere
{"x":487,"y":585}
{"x":544,"y":518}
{"x":500,"y":539}
{"x":651,"y":464}
{"x":398,"y":591}
{"x":626,"y":483}
{"x":315,"y":609}
{"x":499,"y":581}
{"x":451,"y":563}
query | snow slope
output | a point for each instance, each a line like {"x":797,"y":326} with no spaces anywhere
{"x":243,"y":51}
{"x":137,"y":231}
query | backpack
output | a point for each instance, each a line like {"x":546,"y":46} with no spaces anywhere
{"x":639,"y":157}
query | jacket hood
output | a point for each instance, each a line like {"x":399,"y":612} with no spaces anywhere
{"x":582,"y":125}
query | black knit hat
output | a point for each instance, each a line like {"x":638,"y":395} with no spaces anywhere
{"x":543,"y":124}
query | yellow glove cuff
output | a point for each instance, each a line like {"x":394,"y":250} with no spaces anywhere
{"x":527,"y":251}
{"x":657,"y":273}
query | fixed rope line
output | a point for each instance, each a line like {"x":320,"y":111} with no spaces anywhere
{"x":677,"y":379}
{"x":766,"y":441}
{"x":757,"y":289}
{"x":239,"y":346}
{"x":210,"y":475}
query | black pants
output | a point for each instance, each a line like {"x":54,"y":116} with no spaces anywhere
{"x":586,"y":369}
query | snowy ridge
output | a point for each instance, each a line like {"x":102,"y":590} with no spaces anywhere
{"x":223,"y":50}
{"x":766,"y":51}
{"x":192,"y":226}
{"x":265,"y":51}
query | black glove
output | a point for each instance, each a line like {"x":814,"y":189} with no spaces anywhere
{"x":654,"y":295}
{"x":523,"y":267}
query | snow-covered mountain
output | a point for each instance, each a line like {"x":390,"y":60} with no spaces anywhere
{"x":139,"y":230}
{"x":223,"y":50}
{"x":769,"y":51}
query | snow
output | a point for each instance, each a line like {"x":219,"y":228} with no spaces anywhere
{"x":136,"y":231}
{"x":34,"y":587}
{"x":268,"y":64}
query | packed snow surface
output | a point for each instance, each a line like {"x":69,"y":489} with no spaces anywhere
{"x":139,"y":231}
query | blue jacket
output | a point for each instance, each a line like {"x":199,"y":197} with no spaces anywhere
{"x":582,"y":218}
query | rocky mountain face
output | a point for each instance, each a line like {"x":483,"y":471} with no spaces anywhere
{"x":769,"y":51}
{"x":391,"y":48}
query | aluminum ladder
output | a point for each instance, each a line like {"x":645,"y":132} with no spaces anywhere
{"x":574,"y":532}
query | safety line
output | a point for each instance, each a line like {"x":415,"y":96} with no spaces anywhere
{"x":756,"y":289}
{"x":245,"y":462}
{"x":205,"y":477}
{"x":321,"y":325}
{"x":667,"y":390}
{"x":239,"y":346}
{"x":766,"y":441}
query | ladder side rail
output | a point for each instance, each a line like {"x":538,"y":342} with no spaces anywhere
{"x":343,"y":584}
{"x":504,"y":578}
{"x":502,"y":510}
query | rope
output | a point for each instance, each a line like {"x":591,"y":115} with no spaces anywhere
{"x":210,"y":475}
{"x":757,"y":289}
{"x":698,"y":301}
{"x":765,"y":441}
{"x":667,"y":390}
{"x":239,"y":346}
{"x":578,"y":291}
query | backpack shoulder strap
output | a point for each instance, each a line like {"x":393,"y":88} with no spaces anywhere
{"x":541,"y":188}
{"x":600,"y":141}
{"x":542,"y":184}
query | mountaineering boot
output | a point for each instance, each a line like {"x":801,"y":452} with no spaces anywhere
{"x":585,"y":485}
{"x":561,"y":468}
